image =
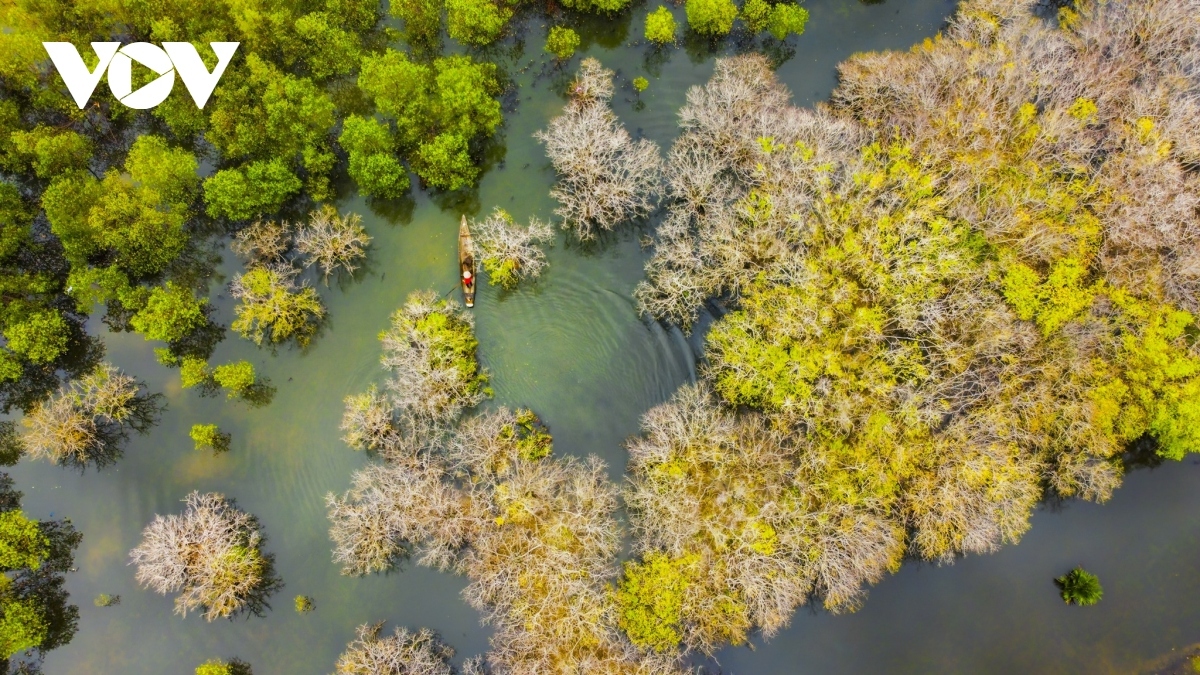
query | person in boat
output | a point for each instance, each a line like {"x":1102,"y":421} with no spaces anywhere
{"x":468,"y":278}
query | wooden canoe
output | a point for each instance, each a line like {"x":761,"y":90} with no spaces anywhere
{"x":466,"y":263}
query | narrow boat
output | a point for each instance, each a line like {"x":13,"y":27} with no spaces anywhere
{"x":466,"y":262}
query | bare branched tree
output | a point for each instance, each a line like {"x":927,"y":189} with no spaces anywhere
{"x":331,"y":241}
{"x":367,"y":421}
{"x":605,"y":178}
{"x":211,"y":555}
{"x":263,"y":242}
{"x":86,"y":422}
{"x":402,"y":653}
{"x":510,"y":252}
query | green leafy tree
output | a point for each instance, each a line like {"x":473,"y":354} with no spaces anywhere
{"x":756,"y":14}
{"x":329,"y":50}
{"x":373,"y":164}
{"x":41,"y":337}
{"x":243,"y":193}
{"x":34,"y":614}
{"x":660,"y":25}
{"x":209,"y":437}
{"x":272,"y":307}
{"x":711,"y":17}
{"x":15,"y":220}
{"x":303,"y":604}
{"x":379,"y":175}
{"x":437,"y":110}
{"x":562,"y":42}
{"x":194,"y":372}
{"x":50,"y":152}
{"x":263,"y":114}
{"x":650,"y":600}
{"x":445,"y":162}
{"x":422,"y":20}
{"x":222,"y":667}
{"x":465,"y":96}
{"x":640,"y":84}
{"x":133,"y":224}
{"x":170,"y":173}
{"x":136,"y":215}
{"x":67,"y":202}
{"x":171,"y":313}
{"x":22,"y":543}
{"x":1080,"y":587}
{"x":236,"y":378}
{"x":787,"y":19}
{"x":476,"y":22}
{"x":402,"y":91}
{"x":597,"y":6}
{"x":106,"y":600}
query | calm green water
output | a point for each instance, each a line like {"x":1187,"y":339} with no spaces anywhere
{"x":574,"y":350}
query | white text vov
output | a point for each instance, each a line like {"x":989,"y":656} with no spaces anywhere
{"x":171,"y":58}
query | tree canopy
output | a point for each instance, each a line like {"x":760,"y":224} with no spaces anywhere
{"x":34,"y":557}
{"x":947,"y":297}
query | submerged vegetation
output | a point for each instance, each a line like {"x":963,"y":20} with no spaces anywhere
{"x":967,"y":282}
{"x":223,"y":667}
{"x":211,"y":555}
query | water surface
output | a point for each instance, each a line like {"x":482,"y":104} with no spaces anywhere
{"x":573,"y":348}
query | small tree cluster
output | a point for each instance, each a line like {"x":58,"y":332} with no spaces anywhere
{"x":779,"y":19}
{"x":509,"y":252}
{"x":429,"y":349}
{"x":473,"y":22}
{"x":237,"y":378}
{"x":303,"y":604}
{"x":431,"y":113}
{"x":273,"y":306}
{"x":711,"y":17}
{"x":86,"y":421}
{"x":211,"y":555}
{"x":604,"y":177}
